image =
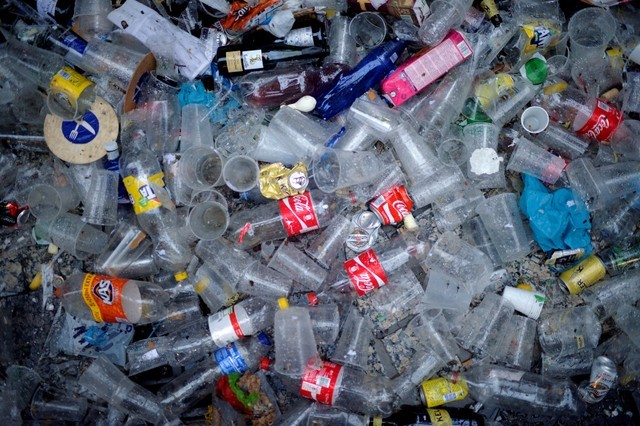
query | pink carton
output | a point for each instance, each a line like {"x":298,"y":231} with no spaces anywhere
{"x":420,"y":71}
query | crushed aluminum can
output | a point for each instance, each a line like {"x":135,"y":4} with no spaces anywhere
{"x":12,"y":215}
{"x":365,"y":232}
{"x":392,"y":206}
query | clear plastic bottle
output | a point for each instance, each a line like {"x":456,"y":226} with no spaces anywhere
{"x":196,"y":383}
{"x":368,"y":271}
{"x":144,"y":179}
{"x":521,"y":391}
{"x":108,"y":299}
{"x":290,"y":216}
{"x":199,"y":338}
{"x":347,"y":388}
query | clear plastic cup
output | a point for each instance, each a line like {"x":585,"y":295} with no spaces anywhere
{"x":353,"y":345}
{"x":567,"y":331}
{"x":325,"y":320}
{"x":261,"y":281}
{"x":453,"y":152}
{"x":324,"y":248}
{"x":590,"y":31}
{"x":533,"y":160}
{"x":208,"y":220}
{"x":333,"y":169}
{"x":70,"y":233}
{"x":342,"y":46}
{"x":444,"y":291}
{"x":453,"y":209}
{"x":561,"y":141}
{"x":484,"y":326}
{"x":475,"y":233}
{"x":59,"y":406}
{"x":200,"y":167}
{"x":446,"y":179}
{"x":501,"y":217}
{"x":516,"y":350}
{"x":357,"y":137}
{"x":294,"y":263}
{"x":241,"y":173}
{"x":196,"y":127}
{"x":368,"y":29}
{"x":418,"y":157}
{"x":295,"y":345}
{"x":47,"y":201}
{"x":101,"y":207}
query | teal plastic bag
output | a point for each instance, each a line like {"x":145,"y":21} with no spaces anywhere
{"x":557,"y":221}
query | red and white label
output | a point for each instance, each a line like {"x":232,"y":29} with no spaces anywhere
{"x":320,"y":380}
{"x":603,"y":122}
{"x":225,"y":328}
{"x":298,"y":214}
{"x":392,"y":206}
{"x":365,"y":272}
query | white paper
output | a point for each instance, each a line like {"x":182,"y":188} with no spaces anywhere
{"x":191,"y":54}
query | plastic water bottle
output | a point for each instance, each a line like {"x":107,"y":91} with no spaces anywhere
{"x":199,"y":338}
{"x":196,"y":383}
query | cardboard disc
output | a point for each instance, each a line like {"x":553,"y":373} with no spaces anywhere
{"x":147,"y":64}
{"x":82,"y":141}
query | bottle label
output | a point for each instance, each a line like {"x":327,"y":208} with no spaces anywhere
{"x":441,"y":391}
{"x":603,"y":122}
{"x":103,"y":295}
{"x":141,"y":191}
{"x":440,"y":417}
{"x":392,"y":206}
{"x":320,"y":380}
{"x":583,"y":275}
{"x":46,"y":7}
{"x":301,"y":37}
{"x":69,"y":84}
{"x":230,"y":360}
{"x":224,"y":326}
{"x":74,"y":42}
{"x":252,"y":59}
{"x":298,"y":214}
{"x":365,"y":272}
{"x":540,"y":37}
{"x":234,"y":61}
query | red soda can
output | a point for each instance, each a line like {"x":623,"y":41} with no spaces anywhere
{"x":392,"y":206}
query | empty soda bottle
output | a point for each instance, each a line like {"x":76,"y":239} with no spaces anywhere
{"x":144,"y":179}
{"x":102,"y":298}
{"x":199,"y":338}
{"x":290,"y":216}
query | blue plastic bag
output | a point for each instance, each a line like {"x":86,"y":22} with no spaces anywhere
{"x":557,"y":221}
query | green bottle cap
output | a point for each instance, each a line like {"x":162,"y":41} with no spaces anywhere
{"x":535,"y":70}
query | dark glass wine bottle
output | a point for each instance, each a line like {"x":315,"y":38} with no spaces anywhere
{"x":419,"y":416}
{"x":60,"y":10}
{"x":243,"y":58}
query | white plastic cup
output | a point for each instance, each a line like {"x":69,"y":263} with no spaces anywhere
{"x":526,"y":302}
{"x":534,"y":119}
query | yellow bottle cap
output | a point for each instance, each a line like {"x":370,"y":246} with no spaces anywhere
{"x":283,"y":303}
{"x":555,"y":88}
{"x":52,"y":249}
{"x":181,"y":276}
{"x":36,"y":282}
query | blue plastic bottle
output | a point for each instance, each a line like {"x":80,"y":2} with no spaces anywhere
{"x":369,"y":72}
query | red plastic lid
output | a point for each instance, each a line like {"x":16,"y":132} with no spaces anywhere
{"x":265,"y":364}
{"x":313,"y":298}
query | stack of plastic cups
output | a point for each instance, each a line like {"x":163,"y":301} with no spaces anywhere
{"x":597,"y":187}
{"x":501,"y":217}
{"x":535,"y":161}
{"x":90,"y":18}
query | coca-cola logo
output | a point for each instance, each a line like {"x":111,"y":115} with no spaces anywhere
{"x":301,"y":204}
{"x":602,"y":124}
{"x":363,"y":282}
{"x":401,"y":207}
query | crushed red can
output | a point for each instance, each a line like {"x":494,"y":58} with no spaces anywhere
{"x":11,"y":214}
{"x":392,"y":206}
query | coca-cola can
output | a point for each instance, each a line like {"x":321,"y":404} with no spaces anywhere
{"x":392,"y":206}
